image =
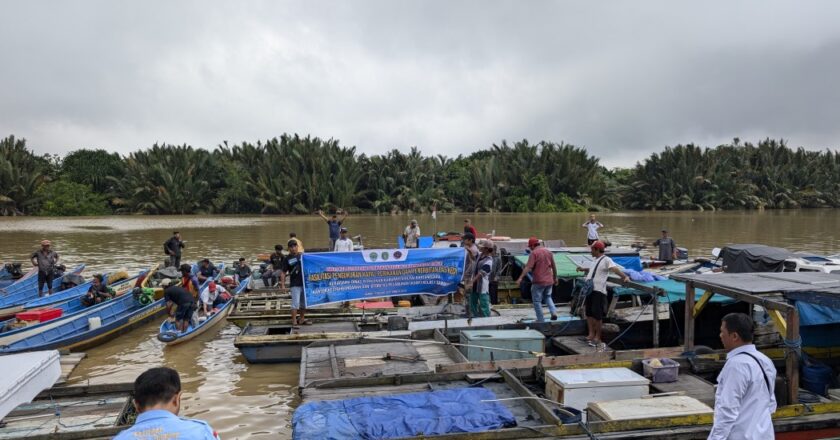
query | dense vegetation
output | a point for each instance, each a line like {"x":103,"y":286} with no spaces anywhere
{"x":298,"y":175}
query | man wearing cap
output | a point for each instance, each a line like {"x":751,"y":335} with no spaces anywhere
{"x":480,"y":294}
{"x":293,"y":236}
{"x":211,"y":297}
{"x":543,"y":279}
{"x":344,"y":243}
{"x":595,"y":303}
{"x":667,"y":248}
{"x":45,"y":259}
{"x":292,"y":265}
{"x":183,"y":299}
{"x":411,"y":235}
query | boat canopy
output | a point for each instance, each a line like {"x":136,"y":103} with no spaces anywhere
{"x":741,"y":258}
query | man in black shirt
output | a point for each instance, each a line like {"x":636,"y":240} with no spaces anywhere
{"x":173,"y":248}
{"x":176,"y":295}
{"x":293,"y":266}
{"x":206,"y":271}
{"x":275,"y":261}
{"x":98,"y":292}
{"x":241,"y":272}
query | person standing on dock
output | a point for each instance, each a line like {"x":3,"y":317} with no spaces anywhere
{"x":745,"y":396}
{"x":334,"y":223}
{"x":292,"y":265}
{"x":480,"y":294}
{"x":411,"y":235}
{"x":469,"y":228}
{"x":544,"y":278}
{"x":293,"y":236}
{"x":595,"y":303}
{"x":344,"y":243}
{"x":667,"y":248}
{"x":592,"y":227}
{"x":45,"y":259}
{"x":173,"y":247}
{"x":157,"y":399}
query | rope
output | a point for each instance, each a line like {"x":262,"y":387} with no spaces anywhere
{"x":795,"y":345}
{"x":632,"y":323}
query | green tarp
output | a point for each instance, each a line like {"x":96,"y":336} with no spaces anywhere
{"x":565,"y":267}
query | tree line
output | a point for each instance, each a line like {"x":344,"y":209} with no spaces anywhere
{"x":298,"y":175}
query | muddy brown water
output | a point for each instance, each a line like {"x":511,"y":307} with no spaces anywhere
{"x":256,"y":401}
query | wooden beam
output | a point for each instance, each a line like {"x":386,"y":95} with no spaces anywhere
{"x":739,"y":295}
{"x":546,"y":414}
{"x":792,"y":361}
{"x":334,"y":362}
{"x":704,"y":300}
{"x":655,"y":301}
{"x":688,"y":336}
{"x":779,"y":322}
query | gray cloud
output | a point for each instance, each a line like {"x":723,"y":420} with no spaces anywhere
{"x":623,"y":79}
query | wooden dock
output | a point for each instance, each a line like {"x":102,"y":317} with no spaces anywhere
{"x":575,"y":345}
{"x":69,"y":362}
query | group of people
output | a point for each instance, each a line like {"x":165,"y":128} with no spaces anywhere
{"x":665,"y":244}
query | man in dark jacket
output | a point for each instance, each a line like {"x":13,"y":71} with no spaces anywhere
{"x":173,"y":248}
{"x":178,"y":296}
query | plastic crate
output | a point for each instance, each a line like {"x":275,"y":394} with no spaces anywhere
{"x":668,"y":372}
{"x":39,"y":315}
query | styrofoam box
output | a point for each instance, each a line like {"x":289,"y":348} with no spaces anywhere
{"x":576,"y":388}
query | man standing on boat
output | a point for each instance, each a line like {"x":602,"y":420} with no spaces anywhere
{"x":334,"y":223}
{"x":411,"y":235}
{"x":157,"y":398}
{"x":595,"y":303}
{"x":469,"y":228}
{"x":480,"y":294}
{"x":592,"y":227}
{"x":292,"y":265}
{"x":183,"y":299}
{"x":45,"y":259}
{"x":667,"y":248}
{"x":543,"y":279}
{"x":745,"y":396}
{"x":344,"y":243}
{"x":173,"y":248}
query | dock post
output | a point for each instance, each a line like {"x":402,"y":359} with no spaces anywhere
{"x":656,"y":319}
{"x":792,"y":354}
{"x":689,"y":316}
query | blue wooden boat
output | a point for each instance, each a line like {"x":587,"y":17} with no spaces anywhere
{"x":74,"y":294}
{"x":169,"y":335}
{"x":15,"y":296}
{"x":80,"y":331}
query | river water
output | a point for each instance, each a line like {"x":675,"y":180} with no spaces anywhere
{"x":256,"y":401}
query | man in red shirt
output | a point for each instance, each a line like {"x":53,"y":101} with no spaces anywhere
{"x":469,"y":228}
{"x":543,"y":279}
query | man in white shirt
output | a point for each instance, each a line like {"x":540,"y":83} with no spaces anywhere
{"x":745,"y":397}
{"x":411,"y":235}
{"x":595,"y":303}
{"x":592,"y":227}
{"x":343,"y":244}
{"x":210,"y":297}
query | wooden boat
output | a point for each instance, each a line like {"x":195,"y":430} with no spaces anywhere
{"x":169,"y":335}
{"x":74,"y":295}
{"x":71,"y":413}
{"x":88,"y":328}
{"x":15,"y":296}
{"x":283,"y":343}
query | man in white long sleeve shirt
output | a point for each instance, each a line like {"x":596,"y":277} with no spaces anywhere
{"x":344,"y":243}
{"x":745,"y":398}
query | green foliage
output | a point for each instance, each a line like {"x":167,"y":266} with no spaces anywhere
{"x":92,"y":167}
{"x":65,"y":198}
{"x":21,"y":174}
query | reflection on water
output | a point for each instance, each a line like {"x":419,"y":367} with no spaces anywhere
{"x":256,"y":401}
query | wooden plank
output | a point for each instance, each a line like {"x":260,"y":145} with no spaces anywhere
{"x":655,"y":300}
{"x":704,"y":300}
{"x":688,"y":335}
{"x":792,"y":356}
{"x":333,"y":362}
{"x":693,"y":386}
{"x":778,"y":321}
{"x":539,"y":406}
{"x":68,"y":363}
{"x":574,"y":345}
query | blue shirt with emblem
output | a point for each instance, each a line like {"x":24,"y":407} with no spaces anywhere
{"x":160,"y":424}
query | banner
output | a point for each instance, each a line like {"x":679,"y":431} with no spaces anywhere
{"x":331,"y":277}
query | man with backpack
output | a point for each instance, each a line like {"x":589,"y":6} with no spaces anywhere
{"x":595,"y":303}
{"x":172,"y":248}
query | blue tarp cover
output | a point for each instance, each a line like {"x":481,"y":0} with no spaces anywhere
{"x":813,"y":314}
{"x":675,"y":291}
{"x":402,"y":415}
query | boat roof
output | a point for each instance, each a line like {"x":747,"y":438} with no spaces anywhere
{"x":813,"y":287}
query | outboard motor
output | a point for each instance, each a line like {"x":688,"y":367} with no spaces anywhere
{"x":14,"y":270}
{"x":71,"y":280}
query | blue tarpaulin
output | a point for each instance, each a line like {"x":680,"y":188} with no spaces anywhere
{"x":818,"y":325}
{"x":675,"y":291}
{"x":403,"y":415}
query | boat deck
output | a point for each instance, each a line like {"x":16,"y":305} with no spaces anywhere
{"x":575,"y":345}
{"x":692,"y":385}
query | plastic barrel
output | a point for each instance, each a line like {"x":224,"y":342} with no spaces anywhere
{"x":816,"y":378}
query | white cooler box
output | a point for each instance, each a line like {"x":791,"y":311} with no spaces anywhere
{"x":576,"y":388}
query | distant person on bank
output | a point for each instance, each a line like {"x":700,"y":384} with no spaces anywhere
{"x":745,"y":396}
{"x":157,"y":398}
{"x":173,"y":248}
{"x":411,"y":235}
{"x":667,"y":248}
{"x":46,"y":260}
{"x":592,"y":227}
{"x":469,"y":228}
{"x":543,"y":279}
{"x":344,"y":243}
{"x":334,"y":223}
{"x":595,"y":304}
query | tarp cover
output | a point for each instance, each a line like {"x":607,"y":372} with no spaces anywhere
{"x":404,"y":415}
{"x":742,"y":258}
{"x":674,"y":290}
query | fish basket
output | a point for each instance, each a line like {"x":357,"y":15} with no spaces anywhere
{"x":666,"y":373}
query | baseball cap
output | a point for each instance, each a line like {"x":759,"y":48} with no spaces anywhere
{"x":45,"y":243}
{"x":343,"y":229}
{"x":599,"y":245}
{"x":212,"y":285}
{"x":533,"y":242}
{"x":486,"y":244}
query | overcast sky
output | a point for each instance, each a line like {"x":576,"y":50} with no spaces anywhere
{"x":622,"y":79}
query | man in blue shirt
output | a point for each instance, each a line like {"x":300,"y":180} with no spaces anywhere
{"x":334,"y":223}
{"x":157,"y":397}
